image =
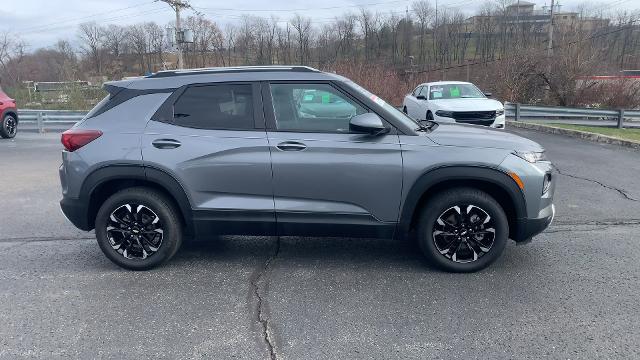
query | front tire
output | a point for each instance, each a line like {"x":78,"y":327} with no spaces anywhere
{"x":404,"y":110}
{"x":429,"y":115}
{"x":462,"y":230}
{"x":138,"y":228}
{"x":8,"y":127}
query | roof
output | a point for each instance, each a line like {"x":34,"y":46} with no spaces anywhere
{"x":173,"y":79}
{"x":223,"y":70}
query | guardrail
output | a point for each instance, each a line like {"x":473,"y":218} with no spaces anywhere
{"x":59,"y":119}
{"x":519,"y":111}
{"x":44,"y":119}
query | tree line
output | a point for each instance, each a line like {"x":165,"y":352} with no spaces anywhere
{"x":401,"y":47}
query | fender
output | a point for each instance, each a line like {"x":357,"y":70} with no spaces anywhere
{"x":140,"y":173}
{"x":11,"y":110}
{"x":445,"y":174}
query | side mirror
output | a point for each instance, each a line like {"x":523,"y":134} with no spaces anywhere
{"x":421,"y":97}
{"x":488,"y":94}
{"x":367,"y":123}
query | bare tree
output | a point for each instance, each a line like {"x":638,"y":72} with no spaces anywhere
{"x":302,"y":26}
{"x":425,"y":14}
{"x":12,"y":53}
{"x":92,"y":43}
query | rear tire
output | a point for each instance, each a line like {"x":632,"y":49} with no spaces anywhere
{"x":8,"y":127}
{"x":462,"y":230}
{"x":429,"y":115}
{"x":138,"y":228}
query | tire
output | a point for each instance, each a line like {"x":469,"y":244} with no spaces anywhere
{"x":8,"y":127}
{"x":429,"y":115}
{"x":437,"y":237}
{"x":132,"y":238}
{"x":404,"y":110}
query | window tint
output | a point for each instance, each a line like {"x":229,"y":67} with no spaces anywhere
{"x":312,"y":107}
{"x":215,"y":107}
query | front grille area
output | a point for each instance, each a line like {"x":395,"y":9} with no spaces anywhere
{"x":475,"y":117}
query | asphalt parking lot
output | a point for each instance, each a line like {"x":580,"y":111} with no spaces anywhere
{"x":571,"y":293}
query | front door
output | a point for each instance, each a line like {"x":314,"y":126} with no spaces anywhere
{"x":213,"y":142}
{"x":327,"y":180}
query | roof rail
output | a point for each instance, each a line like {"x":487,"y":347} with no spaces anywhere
{"x":226,"y":70}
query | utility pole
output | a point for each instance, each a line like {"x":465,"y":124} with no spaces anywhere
{"x":550,"y":43}
{"x":178,"y":5}
{"x":549,"y":50}
{"x":178,"y":43}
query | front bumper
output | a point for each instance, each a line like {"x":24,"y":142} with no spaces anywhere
{"x":528,"y":228}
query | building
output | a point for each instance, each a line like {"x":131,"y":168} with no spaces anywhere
{"x":524,"y":13}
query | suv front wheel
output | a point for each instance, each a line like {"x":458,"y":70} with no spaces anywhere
{"x":8,"y":127}
{"x":138,"y":228}
{"x":462,"y":230}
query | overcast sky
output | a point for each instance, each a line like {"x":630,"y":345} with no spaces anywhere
{"x":42,"y":22}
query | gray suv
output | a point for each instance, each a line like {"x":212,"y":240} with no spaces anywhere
{"x":292,"y":151}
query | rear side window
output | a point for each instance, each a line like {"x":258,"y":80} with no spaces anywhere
{"x":224,"y":106}
{"x":99,"y":108}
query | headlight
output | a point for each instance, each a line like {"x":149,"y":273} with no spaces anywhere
{"x":443,"y":113}
{"x":499,"y":112}
{"x":531,"y":156}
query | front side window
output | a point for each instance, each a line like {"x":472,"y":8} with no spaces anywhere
{"x":224,"y":106}
{"x":417,"y":91}
{"x":312,"y":108}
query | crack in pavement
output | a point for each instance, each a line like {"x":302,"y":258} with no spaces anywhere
{"x":620,"y":191}
{"x":264,"y":322}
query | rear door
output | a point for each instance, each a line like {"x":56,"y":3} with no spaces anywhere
{"x":211,"y":139}
{"x":327,"y":180}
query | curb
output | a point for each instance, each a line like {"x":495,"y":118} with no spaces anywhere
{"x":604,"y":139}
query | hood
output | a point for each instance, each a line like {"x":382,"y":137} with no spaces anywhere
{"x":468,"y":104}
{"x":480,"y":137}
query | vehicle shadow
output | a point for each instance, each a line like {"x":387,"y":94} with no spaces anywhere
{"x":330,"y":253}
{"x":302,"y":251}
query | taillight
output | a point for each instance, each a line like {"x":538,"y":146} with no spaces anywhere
{"x":74,"y":139}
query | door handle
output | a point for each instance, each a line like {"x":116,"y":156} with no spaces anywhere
{"x":291,"y":146}
{"x":166,"y":143}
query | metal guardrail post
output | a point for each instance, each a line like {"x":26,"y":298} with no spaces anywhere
{"x":517,"y":111}
{"x":40,"y":122}
{"x":620,"y":118}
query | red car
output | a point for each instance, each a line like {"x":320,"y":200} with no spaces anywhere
{"x":8,"y":116}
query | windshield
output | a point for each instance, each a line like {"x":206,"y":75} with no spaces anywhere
{"x":454,"y":91}
{"x":397,"y":114}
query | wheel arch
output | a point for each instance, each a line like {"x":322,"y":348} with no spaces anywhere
{"x":10,"y":111}
{"x":493,"y":181}
{"x":106,"y":181}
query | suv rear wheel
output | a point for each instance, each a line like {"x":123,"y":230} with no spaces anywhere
{"x":138,"y":228}
{"x":462,"y":230}
{"x":8,"y":127}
